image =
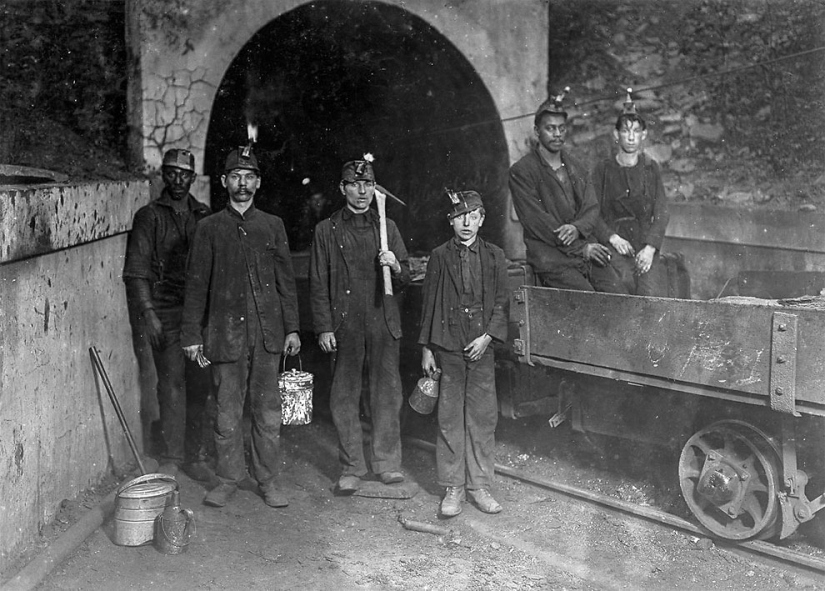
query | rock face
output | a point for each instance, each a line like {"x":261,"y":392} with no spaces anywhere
{"x":63,"y":89}
{"x":723,"y":131}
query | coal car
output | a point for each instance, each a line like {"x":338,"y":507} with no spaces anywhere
{"x":737,"y":383}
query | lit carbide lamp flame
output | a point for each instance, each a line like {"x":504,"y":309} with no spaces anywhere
{"x":252,"y":136}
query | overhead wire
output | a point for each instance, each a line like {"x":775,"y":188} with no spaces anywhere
{"x":466,"y":126}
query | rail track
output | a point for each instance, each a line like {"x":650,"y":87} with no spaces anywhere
{"x":768,"y":553}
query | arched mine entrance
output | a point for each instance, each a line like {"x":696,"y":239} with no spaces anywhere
{"x":330,"y":81}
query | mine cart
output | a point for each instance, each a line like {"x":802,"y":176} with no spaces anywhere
{"x":738,"y":384}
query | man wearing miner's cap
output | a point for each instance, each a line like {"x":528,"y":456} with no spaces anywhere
{"x":154,"y":273}
{"x":240,"y":314}
{"x":558,"y":210}
{"x":464,"y":310}
{"x":633,"y":206}
{"x":361,"y":325}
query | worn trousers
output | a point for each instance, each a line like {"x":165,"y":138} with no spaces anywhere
{"x":183,"y":395}
{"x":255,"y":373}
{"x":467,"y":419}
{"x":652,"y":283}
{"x":583,"y":276}
{"x":367,"y":345}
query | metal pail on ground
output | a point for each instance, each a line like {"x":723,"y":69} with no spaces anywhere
{"x":137,"y":504}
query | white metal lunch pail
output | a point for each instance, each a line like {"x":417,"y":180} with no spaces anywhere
{"x":296,"y":395}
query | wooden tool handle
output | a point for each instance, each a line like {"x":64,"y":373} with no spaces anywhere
{"x":381,"y":203}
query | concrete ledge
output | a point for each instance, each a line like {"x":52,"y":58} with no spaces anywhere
{"x":41,"y":219}
{"x":765,"y":228}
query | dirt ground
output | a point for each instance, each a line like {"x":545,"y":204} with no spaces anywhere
{"x":542,"y":540}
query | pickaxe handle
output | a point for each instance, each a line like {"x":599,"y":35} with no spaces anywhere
{"x":381,"y":204}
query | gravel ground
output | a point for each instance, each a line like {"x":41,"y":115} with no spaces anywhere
{"x":542,"y":540}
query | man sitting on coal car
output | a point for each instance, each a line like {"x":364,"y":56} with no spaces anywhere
{"x":558,"y":210}
{"x":633,"y":206}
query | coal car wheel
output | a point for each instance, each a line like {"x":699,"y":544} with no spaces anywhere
{"x":728,"y":473}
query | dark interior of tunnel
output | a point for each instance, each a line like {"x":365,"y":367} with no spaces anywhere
{"x":330,"y":81}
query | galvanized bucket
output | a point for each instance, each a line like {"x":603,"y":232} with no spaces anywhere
{"x":137,"y":504}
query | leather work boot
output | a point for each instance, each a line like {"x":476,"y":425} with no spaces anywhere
{"x":274,"y":496}
{"x":220,"y":495}
{"x":451,"y":504}
{"x":391,"y":477}
{"x":200,"y":471}
{"x":485,"y":501}
{"x":348,"y":484}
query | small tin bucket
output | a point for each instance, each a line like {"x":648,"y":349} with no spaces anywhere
{"x":137,"y":504}
{"x":296,"y":395}
{"x":425,"y":396}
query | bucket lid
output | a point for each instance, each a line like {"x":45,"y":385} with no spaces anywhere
{"x":147,"y":490}
{"x":148,"y":485}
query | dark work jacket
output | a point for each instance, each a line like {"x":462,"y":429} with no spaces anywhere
{"x":155,"y":268}
{"x":638,"y":218}
{"x":441,"y":309}
{"x":230,"y":254}
{"x":542,"y":207}
{"x":329,"y":279}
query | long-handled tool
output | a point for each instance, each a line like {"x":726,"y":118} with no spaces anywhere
{"x":381,"y":195}
{"x":380,"y":202}
{"x":98,"y":365}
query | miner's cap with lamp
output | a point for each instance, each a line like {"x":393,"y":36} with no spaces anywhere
{"x":629,"y":107}
{"x":358,"y":170}
{"x":463,"y":202}
{"x":241,"y":159}
{"x":629,"y":113}
{"x":552,"y":106}
{"x":179,"y":158}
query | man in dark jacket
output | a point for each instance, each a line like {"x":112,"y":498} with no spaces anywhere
{"x":558,"y":210}
{"x":357,"y":321}
{"x":464,"y":310}
{"x":154,"y":273}
{"x":633,"y":206}
{"x":240,"y":313}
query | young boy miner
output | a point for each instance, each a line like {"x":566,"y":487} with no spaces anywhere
{"x":465,"y":308}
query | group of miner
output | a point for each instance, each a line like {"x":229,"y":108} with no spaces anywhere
{"x":215,"y":293}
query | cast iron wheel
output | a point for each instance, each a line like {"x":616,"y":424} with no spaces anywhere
{"x":728,"y":473}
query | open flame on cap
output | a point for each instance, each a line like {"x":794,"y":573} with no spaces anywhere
{"x":252,"y":136}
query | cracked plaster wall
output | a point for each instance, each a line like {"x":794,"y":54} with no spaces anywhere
{"x":182,"y":48}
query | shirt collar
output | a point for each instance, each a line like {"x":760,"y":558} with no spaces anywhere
{"x":472,"y":248}
{"x":348,"y":214}
{"x":243,"y":216}
{"x":165,"y":199}
{"x":544,"y":155}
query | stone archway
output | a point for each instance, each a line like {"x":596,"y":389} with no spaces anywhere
{"x":184,"y":51}
{"x":327,"y":83}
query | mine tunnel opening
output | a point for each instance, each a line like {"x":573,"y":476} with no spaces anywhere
{"x":330,"y":81}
